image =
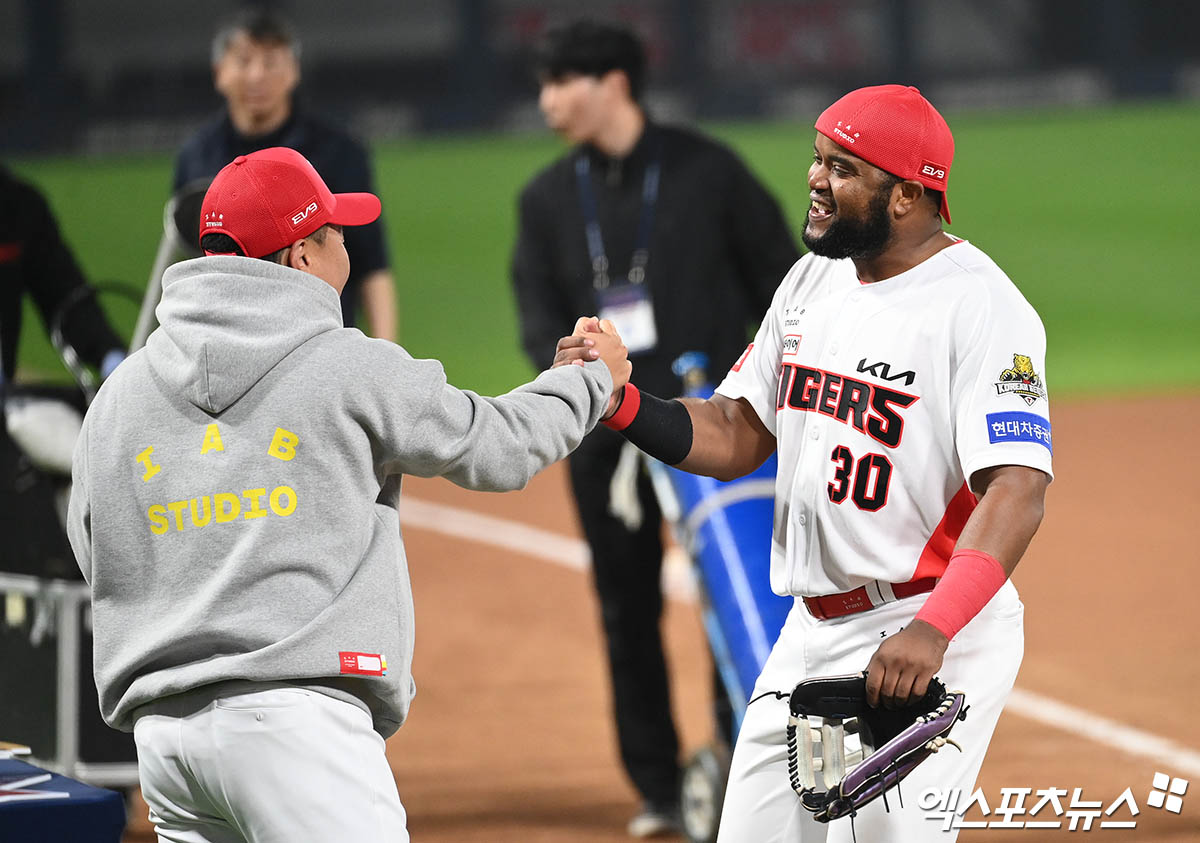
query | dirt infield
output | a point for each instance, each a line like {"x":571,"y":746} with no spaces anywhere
{"x":510,"y":738}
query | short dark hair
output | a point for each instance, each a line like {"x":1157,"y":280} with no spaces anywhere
{"x":222,"y":244}
{"x":592,"y":48}
{"x":262,"y":26}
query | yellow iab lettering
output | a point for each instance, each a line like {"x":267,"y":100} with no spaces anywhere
{"x":225,"y":515}
{"x":158,"y":519}
{"x":177,"y":508}
{"x":151,"y":468}
{"x":277,"y":506}
{"x":255,"y":497}
{"x":196,"y":520}
{"x":212,"y":439}
{"x":283,"y":444}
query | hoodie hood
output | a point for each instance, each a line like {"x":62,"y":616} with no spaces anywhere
{"x":226,"y":321}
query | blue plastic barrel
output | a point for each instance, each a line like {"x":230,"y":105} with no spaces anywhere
{"x":726,"y":529}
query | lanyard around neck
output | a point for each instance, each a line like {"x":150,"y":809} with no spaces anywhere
{"x":595,"y":242}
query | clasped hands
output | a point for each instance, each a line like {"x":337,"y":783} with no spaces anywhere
{"x":597,"y":339}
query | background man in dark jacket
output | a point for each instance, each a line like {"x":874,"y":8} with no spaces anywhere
{"x":666,"y":232}
{"x":256,"y":68}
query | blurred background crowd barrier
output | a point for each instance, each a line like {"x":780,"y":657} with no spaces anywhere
{"x":125,"y":75}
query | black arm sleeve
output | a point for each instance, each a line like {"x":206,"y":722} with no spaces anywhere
{"x":662,"y":429}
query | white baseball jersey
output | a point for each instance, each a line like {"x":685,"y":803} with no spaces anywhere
{"x":884,"y":398}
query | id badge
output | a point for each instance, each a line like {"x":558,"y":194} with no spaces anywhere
{"x":630,"y":309}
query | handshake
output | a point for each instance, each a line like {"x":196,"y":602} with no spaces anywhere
{"x":597,"y":339}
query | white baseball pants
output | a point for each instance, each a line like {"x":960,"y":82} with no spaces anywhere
{"x":981,"y":661}
{"x":271,"y":765}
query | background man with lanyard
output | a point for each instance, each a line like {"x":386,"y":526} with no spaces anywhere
{"x":667,"y":233}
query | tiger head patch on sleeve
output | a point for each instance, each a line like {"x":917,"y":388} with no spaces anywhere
{"x":1021,"y":380}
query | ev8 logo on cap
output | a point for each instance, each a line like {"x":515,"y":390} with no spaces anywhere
{"x":271,"y":198}
{"x":300,"y":217}
{"x":897,"y":130}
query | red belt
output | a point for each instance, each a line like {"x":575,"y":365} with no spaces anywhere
{"x":864,"y":597}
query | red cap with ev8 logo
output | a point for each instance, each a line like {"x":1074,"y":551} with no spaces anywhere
{"x":271,"y":198}
{"x":897,"y":130}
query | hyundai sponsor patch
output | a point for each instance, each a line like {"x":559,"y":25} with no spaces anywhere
{"x":1017,"y":426}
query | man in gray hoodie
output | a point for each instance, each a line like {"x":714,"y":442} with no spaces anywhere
{"x":234,"y":508}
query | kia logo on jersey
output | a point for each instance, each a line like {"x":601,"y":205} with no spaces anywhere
{"x":883,"y":371}
{"x":870,"y":409}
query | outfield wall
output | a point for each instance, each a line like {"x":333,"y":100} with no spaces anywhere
{"x":123,"y":75}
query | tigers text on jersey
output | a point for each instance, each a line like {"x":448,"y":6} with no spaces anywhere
{"x":884,"y":398}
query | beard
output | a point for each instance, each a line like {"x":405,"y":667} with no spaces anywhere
{"x":860,"y":239}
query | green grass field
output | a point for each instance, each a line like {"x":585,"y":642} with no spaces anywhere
{"x":1088,"y":211}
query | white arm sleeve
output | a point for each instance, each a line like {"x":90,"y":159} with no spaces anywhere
{"x":998,"y":388}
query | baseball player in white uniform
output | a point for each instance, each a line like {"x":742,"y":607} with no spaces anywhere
{"x":900,"y":375}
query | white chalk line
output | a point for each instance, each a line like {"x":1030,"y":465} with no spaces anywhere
{"x":567,"y":551}
{"x":1174,"y":757}
{"x":679,"y":583}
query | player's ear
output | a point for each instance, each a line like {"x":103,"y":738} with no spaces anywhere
{"x":220,"y":76}
{"x":295,"y":68}
{"x":618,"y":81}
{"x":906,"y":196}
{"x":296,"y":257}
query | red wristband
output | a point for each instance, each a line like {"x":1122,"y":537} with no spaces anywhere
{"x":972,"y":578}
{"x":631,"y":402}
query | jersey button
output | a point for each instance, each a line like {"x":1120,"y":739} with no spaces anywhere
{"x":833,"y":348}
{"x":814,"y":434}
{"x":803,"y":520}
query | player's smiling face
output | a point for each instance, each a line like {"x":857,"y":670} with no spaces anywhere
{"x":849,"y":215}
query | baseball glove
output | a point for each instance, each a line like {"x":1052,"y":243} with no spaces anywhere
{"x":893,"y":742}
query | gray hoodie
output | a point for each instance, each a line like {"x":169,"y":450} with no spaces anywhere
{"x":236,"y":486}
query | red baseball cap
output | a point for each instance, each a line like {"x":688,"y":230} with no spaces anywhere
{"x":897,"y":130}
{"x":271,"y":198}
